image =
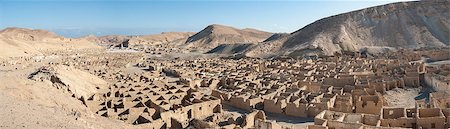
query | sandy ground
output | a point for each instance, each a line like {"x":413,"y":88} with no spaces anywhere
{"x":283,"y":120}
{"x":29,"y":104}
{"x":401,"y":97}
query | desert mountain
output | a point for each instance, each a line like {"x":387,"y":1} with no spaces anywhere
{"x":29,"y":35}
{"x":108,"y":40}
{"x":79,"y":83}
{"x":23,"y":42}
{"x":239,"y":48}
{"x":214,"y":35}
{"x":165,"y":37}
{"x":376,"y":29}
{"x":231,"y":48}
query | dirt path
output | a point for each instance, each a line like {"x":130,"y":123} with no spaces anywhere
{"x":401,"y":97}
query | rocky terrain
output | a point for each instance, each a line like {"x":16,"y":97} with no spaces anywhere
{"x":376,"y":29}
{"x":229,"y":49}
{"x":16,"y":42}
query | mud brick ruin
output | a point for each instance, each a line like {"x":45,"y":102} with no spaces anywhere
{"x":338,"y":92}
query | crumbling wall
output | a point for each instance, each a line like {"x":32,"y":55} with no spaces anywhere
{"x":431,"y":118}
{"x":370,"y":104}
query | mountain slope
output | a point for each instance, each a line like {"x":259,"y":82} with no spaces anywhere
{"x":214,"y":35}
{"x":376,"y":29}
{"x":230,"y":48}
{"x":276,"y":36}
{"x":166,"y":37}
{"x":17,"y":42}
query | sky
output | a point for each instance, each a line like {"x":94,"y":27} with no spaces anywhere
{"x":75,"y":18}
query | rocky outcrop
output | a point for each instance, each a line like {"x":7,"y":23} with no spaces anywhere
{"x":78,"y":83}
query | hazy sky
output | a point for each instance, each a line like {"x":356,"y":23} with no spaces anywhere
{"x":102,"y":17}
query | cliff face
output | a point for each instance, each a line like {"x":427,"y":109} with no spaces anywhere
{"x":376,"y":29}
{"x":215,"y":35}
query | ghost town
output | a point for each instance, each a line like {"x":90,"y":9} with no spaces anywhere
{"x":345,"y":91}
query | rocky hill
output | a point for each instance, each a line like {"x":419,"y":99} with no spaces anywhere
{"x":17,"y":42}
{"x":376,"y":30}
{"x":215,"y":35}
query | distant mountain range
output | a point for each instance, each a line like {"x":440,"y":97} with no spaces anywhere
{"x":402,"y":25}
{"x":215,"y":35}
